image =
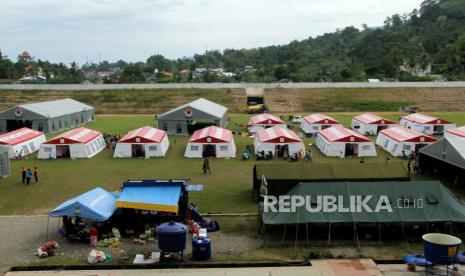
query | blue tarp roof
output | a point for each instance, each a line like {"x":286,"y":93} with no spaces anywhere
{"x":96,"y":204}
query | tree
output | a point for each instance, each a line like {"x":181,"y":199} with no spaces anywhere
{"x":132,"y":73}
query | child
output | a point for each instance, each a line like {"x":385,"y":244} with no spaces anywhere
{"x":93,"y":236}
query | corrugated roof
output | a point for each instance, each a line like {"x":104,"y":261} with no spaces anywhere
{"x":56,"y":108}
{"x":205,"y":105}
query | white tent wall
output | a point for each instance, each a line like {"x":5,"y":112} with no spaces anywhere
{"x":28,"y":146}
{"x":47,"y":151}
{"x":313,"y":129}
{"x":394,"y":147}
{"x":223,"y":150}
{"x":76,"y":150}
{"x":367,"y":129}
{"x":294,"y":147}
{"x":124,"y":150}
{"x":423,"y":128}
{"x":337,"y":149}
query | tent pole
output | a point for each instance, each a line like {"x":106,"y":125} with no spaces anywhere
{"x":284,"y":234}
{"x":356,"y":237}
{"x":329,"y":234}
{"x":306,"y":227}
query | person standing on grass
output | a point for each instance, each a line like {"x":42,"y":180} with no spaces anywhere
{"x":93,"y":236}
{"x":206,"y":166}
{"x":36,"y":174}
{"x":28,"y":176}
{"x":309,"y":156}
{"x":23,"y":174}
{"x":408,"y":166}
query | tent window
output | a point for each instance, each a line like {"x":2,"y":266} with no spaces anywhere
{"x":165,"y":126}
{"x":194,"y":148}
{"x":152,"y":148}
{"x":427,"y":127}
{"x":315,"y":127}
{"x":386,"y":144}
{"x":223,"y":148}
{"x":366,"y":147}
{"x":47,"y":149}
{"x":395,"y":147}
{"x":32,"y":146}
{"x":407,"y":147}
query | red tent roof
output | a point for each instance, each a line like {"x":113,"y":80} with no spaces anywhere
{"x":145,"y":134}
{"x":19,"y":136}
{"x":211,"y":134}
{"x":403,"y":134}
{"x":277,"y":135}
{"x":318,"y":118}
{"x":340,"y":134}
{"x":424,"y":119}
{"x":459,"y":131}
{"x":80,"y":135}
{"x":373,"y":119}
{"x":266,"y":119}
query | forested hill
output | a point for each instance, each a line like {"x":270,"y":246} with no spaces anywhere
{"x":430,"y":39}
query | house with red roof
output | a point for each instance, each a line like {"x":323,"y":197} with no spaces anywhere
{"x":313,"y":123}
{"x":211,"y":141}
{"x":143,"y":142}
{"x":77,"y":143}
{"x":262,"y":121}
{"x":343,"y":142}
{"x":281,"y":142}
{"x":426,"y":124}
{"x":21,"y":142}
{"x":370,"y":124}
{"x":402,"y":141}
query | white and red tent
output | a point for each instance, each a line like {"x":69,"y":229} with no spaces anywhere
{"x":142,"y":142}
{"x":455,"y":132}
{"x":281,"y":142}
{"x":426,"y":124}
{"x":402,"y":141}
{"x":262,"y":121}
{"x":312,"y":124}
{"x":22,"y":141}
{"x":342,"y":142}
{"x":77,"y":143}
{"x":211,"y":141}
{"x":370,"y":124}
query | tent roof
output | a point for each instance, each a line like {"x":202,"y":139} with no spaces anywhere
{"x":318,"y":118}
{"x":145,"y":134}
{"x":212,"y":134}
{"x":96,"y":204}
{"x":369,"y":118}
{"x":459,"y":131}
{"x":76,"y":136}
{"x":265,"y":119}
{"x":439,"y":204}
{"x":151,"y":195}
{"x":204,"y":105}
{"x":19,"y":136}
{"x":56,"y":108}
{"x":424,"y":119}
{"x":403,"y":134}
{"x":449,"y":149}
{"x":277,"y":134}
{"x":341,"y":134}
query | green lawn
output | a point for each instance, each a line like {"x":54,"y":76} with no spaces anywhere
{"x":227,"y":190}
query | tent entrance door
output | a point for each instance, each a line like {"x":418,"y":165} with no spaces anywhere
{"x":438,"y":129}
{"x":418,"y":147}
{"x":193,"y":126}
{"x":209,"y":150}
{"x":325,"y":126}
{"x":282,"y":151}
{"x":351,"y":150}
{"x":17,"y":124}
{"x":63,"y":152}
{"x":138,"y":150}
{"x":381,"y":128}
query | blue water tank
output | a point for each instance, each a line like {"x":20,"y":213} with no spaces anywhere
{"x":441,"y":249}
{"x":172,"y":237}
{"x":201,"y":249}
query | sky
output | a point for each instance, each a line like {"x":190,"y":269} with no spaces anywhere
{"x":97,"y":30}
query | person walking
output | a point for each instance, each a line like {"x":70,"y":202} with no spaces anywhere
{"x":28,"y":176}
{"x":23,"y":174}
{"x":36,"y":174}
{"x":93,"y":236}
{"x":409,"y":163}
{"x":206,"y":166}
{"x":309,"y":156}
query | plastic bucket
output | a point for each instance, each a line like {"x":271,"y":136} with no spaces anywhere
{"x":441,"y":248}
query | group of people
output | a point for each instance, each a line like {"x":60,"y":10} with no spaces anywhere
{"x":77,"y":230}
{"x":27,"y":174}
{"x":111,"y":140}
{"x":19,"y":155}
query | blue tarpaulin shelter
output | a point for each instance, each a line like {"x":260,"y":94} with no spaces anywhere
{"x":152,"y":195}
{"x":96,"y":205}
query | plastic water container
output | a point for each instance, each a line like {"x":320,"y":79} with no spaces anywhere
{"x":441,"y":249}
{"x":201,"y":249}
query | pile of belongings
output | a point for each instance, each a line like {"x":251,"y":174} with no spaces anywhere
{"x":96,"y":256}
{"x":110,"y":242}
{"x":47,"y":249}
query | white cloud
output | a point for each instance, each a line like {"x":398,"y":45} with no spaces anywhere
{"x":64,"y":30}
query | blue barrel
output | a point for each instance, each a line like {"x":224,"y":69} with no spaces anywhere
{"x":441,"y":249}
{"x":201,"y":249}
{"x":172,"y":237}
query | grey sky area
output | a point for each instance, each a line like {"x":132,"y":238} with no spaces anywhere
{"x":65,"y":31}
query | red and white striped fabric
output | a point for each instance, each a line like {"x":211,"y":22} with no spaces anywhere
{"x":211,"y":134}
{"x":373,"y":119}
{"x":459,"y":131}
{"x":277,"y":135}
{"x":403,"y":134}
{"x":319,"y":118}
{"x":144,"y":134}
{"x":80,"y":135}
{"x":265,"y":119}
{"x":19,"y":136}
{"x":340,"y":134}
{"x":424,"y":119}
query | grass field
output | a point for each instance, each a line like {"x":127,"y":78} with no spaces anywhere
{"x":227,"y":190}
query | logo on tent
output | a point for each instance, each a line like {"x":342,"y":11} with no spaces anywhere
{"x":77,"y":210}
